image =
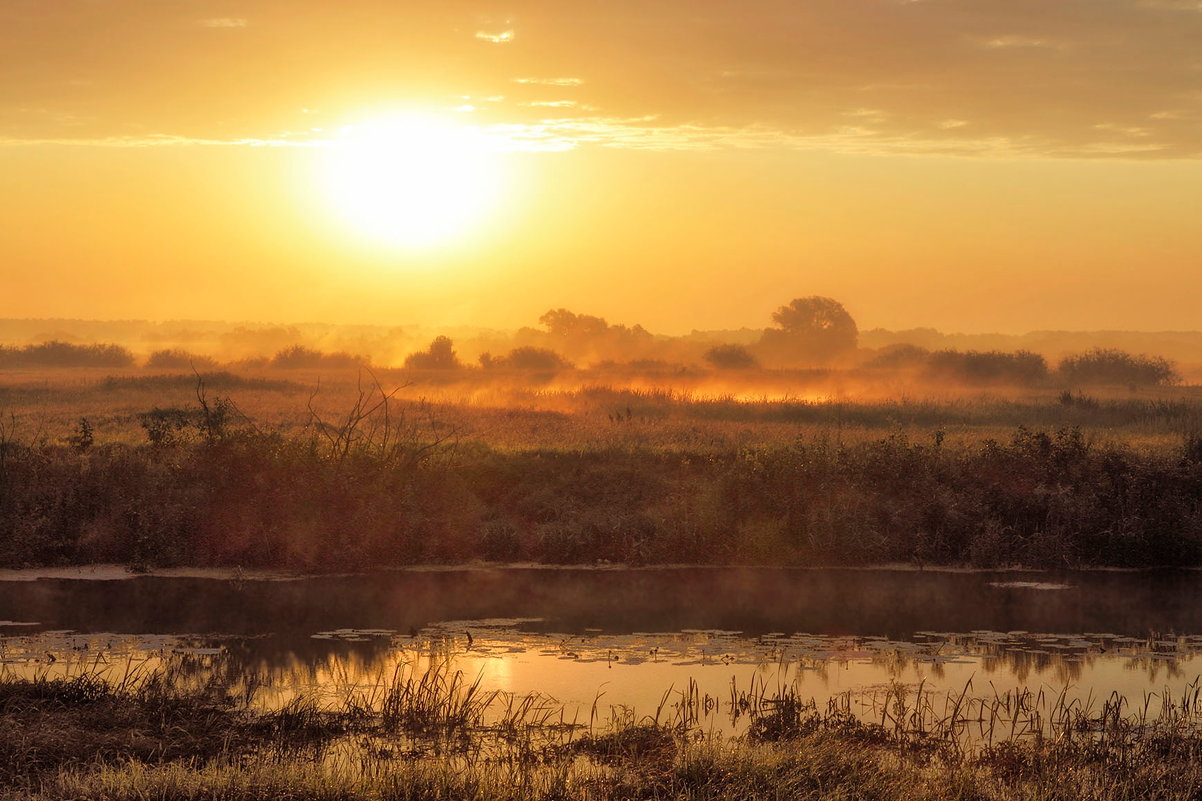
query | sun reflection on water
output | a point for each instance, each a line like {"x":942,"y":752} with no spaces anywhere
{"x":593,"y":673}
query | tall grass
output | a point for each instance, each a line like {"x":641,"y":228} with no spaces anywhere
{"x":629,"y":477}
{"x":87,"y":738}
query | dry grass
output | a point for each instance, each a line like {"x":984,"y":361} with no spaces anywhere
{"x":85,"y":738}
{"x":255,"y":471}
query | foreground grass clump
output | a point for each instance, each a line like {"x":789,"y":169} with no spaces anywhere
{"x":51,"y":725}
{"x":84,"y":738}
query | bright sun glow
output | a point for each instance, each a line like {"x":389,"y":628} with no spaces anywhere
{"x":411,"y":180}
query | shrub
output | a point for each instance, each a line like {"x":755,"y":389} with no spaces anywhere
{"x":899,"y":356}
{"x":1022,"y":367}
{"x":1110,"y":366}
{"x":176,"y":359}
{"x":730,"y":357}
{"x":527,"y":358}
{"x":298,"y":357}
{"x":439,"y":356}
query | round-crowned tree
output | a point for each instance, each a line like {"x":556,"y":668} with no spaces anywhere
{"x":439,"y":356}
{"x":813,"y":330}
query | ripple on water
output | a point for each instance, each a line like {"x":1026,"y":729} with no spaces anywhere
{"x":1030,"y":585}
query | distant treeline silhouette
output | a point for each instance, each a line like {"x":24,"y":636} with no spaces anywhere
{"x":1100,"y":366}
{"x":65,"y":354}
{"x":812,"y":332}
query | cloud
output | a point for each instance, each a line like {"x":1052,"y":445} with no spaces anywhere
{"x":499,"y":37}
{"x":1034,"y":77}
{"x":1015,"y":41}
{"x":224,"y":22}
{"x":550,"y":81}
{"x":156,"y":140}
{"x":649,"y":134}
{"x":564,"y":134}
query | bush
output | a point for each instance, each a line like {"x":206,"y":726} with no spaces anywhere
{"x":898,"y":356}
{"x":1021,"y":368}
{"x":439,"y":356}
{"x":1110,"y":366}
{"x":298,"y":357}
{"x":730,"y":357}
{"x":527,"y":358}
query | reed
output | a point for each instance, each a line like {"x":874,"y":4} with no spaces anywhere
{"x":92,"y":736}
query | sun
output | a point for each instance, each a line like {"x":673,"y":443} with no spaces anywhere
{"x":411,"y":180}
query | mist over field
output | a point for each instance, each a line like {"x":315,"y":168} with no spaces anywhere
{"x":578,"y":440}
{"x":813,"y":337}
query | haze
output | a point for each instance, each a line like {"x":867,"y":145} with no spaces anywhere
{"x":987,"y":165}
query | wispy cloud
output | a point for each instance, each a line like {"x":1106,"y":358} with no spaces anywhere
{"x":550,"y":81}
{"x":1000,"y":42}
{"x":497,"y":37}
{"x":157,"y":140}
{"x":650,"y":134}
{"x":224,"y":22}
{"x":904,"y":74}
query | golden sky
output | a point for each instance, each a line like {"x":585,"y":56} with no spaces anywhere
{"x":970,"y":165}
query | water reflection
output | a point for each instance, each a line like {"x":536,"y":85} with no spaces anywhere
{"x":617,"y":640}
{"x":580,"y":673}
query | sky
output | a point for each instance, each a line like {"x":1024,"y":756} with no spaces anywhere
{"x":970,"y":165}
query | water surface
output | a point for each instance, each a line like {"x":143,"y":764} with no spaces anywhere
{"x":629,"y":639}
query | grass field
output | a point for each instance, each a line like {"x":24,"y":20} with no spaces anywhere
{"x":348,"y":469}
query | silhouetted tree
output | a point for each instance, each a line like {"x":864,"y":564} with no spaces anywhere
{"x":584,"y":336}
{"x":567,"y":324}
{"x":1110,"y":366}
{"x":812,"y":330}
{"x":730,"y":357}
{"x":439,"y":356}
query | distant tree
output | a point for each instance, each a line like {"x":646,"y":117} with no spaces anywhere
{"x":564,"y":323}
{"x":730,"y":357}
{"x":585,"y":336}
{"x":811,"y":330}
{"x":1110,"y":366}
{"x":439,"y":356}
